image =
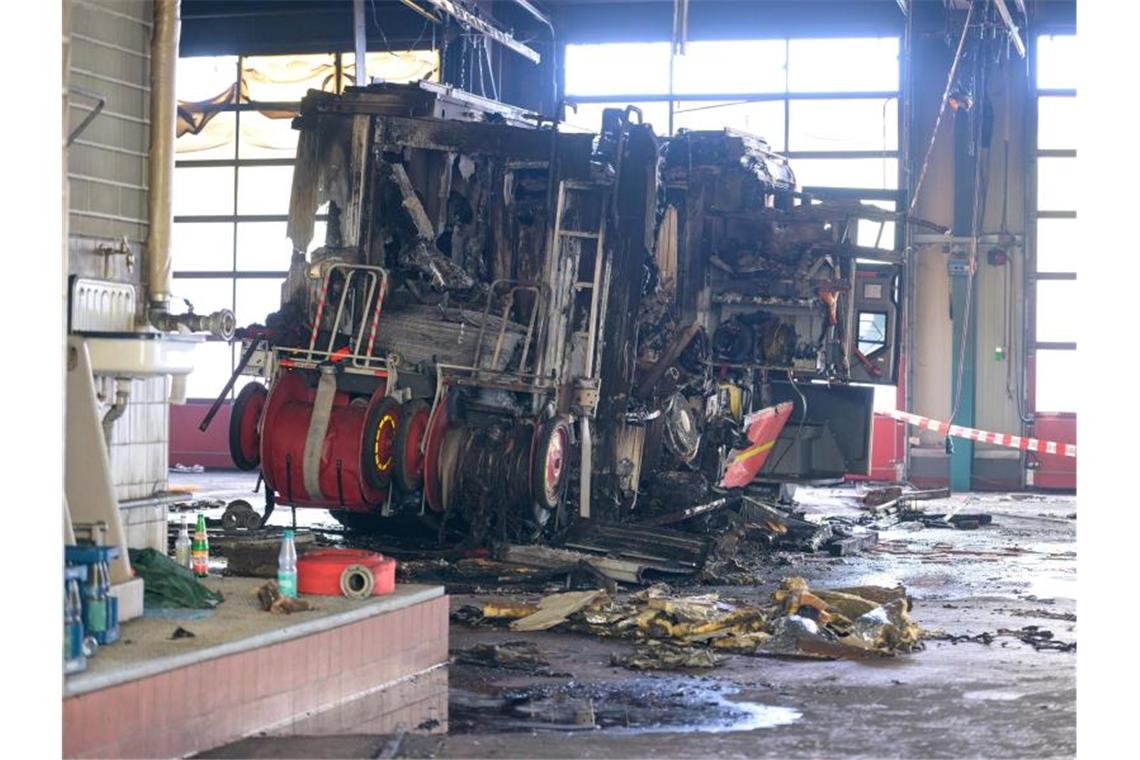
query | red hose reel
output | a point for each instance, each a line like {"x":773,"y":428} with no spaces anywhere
{"x":367,"y":444}
{"x":372,"y":444}
{"x":345,"y":572}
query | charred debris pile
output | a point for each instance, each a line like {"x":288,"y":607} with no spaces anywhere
{"x":672,"y":631}
{"x":732,"y":540}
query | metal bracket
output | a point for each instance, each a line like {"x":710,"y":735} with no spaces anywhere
{"x":960,"y":265}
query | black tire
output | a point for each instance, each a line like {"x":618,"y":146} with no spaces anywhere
{"x":377,"y":469}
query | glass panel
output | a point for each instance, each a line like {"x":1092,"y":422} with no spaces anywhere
{"x":212,"y":368}
{"x":1058,"y":381}
{"x":872,"y":334}
{"x":286,"y":78}
{"x":216,"y":140}
{"x":1057,"y":245}
{"x":202,"y":78}
{"x":868,"y":231}
{"x":589,"y":115}
{"x":762,"y":118}
{"x":1057,"y":311}
{"x":202,"y":247}
{"x":203,"y":190}
{"x":263,"y":247}
{"x":205,"y":294}
{"x":1057,"y":123}
{"x":730,"y":66}
{"x":263,"y":137}
{"x":257,"y":299}
{"x":264,"y":189}
{"x":1057,"y":184}
{"x":398,"y":66}
{"x":843,"y":124}
{"x":1057,"y":62}
{"x":870,"y":173}
{"x":843,"y":65}
{"x":622,"y":68}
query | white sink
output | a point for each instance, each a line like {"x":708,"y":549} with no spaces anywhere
{"x":144,"y":354}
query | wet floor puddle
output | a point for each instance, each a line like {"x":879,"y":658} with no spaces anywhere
{"x":626,"y":708}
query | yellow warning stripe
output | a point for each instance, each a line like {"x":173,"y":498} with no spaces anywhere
{"x":382,"y":465}
{"x":758,"y":448}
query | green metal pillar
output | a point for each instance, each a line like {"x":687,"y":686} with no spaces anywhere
{"x":963,"y":303}
{"x":964,"y":361}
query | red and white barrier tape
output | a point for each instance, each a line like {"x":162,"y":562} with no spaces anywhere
{"x":984,"y":436}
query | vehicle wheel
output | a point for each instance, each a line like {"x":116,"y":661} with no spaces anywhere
{"x":550,"y":462}
{"x":378,"y":447}
{"x":409,"y":459}
{"x":245,"y":416}
{"x":437,"y":429}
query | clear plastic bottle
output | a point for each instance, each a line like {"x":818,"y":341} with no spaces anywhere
{"x":182,"y":545}
{"x":287,"y":566}
{"x":95,"y":621}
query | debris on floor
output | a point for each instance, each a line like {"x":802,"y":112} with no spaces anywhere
{"x":197,"y":505}
{"x":1041,"y":639}
{"x":510,"y":655}
{"x":554,"y":610}
{"x":663,"y":655}
{"x":682,"y":630}
{"x":271,"y":600}
{"x":725,"y":541}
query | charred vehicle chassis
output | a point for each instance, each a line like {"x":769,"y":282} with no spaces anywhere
{"x":510,"y":326}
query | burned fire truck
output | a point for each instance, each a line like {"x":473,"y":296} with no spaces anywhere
{"x":510,"y":326}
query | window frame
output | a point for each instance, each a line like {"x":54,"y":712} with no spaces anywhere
{"x":1035,"y":214}
{"x":236,"y":163}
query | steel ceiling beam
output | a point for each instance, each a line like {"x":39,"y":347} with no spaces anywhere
{"x":467,"y":18}
{"x":1014,"y":35}
{"x":539,"y":15}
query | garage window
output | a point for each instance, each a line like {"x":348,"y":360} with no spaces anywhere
{"x":1056,"y":247}
{"x":233,"y":175}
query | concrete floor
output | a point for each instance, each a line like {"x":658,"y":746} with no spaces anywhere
{"x":1004,"y":699}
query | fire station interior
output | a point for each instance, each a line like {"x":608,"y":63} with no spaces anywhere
{"x":521,"y":378}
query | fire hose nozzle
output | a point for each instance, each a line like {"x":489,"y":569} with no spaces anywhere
{"x":220,"y":324}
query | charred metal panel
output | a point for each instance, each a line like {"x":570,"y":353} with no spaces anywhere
{"x":488,"y":139}
{"x":831,"y":440}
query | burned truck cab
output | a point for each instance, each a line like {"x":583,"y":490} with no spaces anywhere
{"x":786,"y":311}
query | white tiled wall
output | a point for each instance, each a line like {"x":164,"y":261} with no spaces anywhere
{"x":140,"y":438}
{"x":145,"y":526}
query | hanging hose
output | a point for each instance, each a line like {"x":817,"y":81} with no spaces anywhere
{"x":942,"y":108}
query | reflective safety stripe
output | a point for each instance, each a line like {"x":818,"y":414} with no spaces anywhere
{"x":985,"y":436}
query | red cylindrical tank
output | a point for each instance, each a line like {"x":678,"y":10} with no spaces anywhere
{"x":285,"y":426}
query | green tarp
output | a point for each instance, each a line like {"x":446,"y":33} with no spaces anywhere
{"x":168,"y":584}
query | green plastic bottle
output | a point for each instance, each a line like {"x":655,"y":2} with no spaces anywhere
{"x":200,"y":549}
